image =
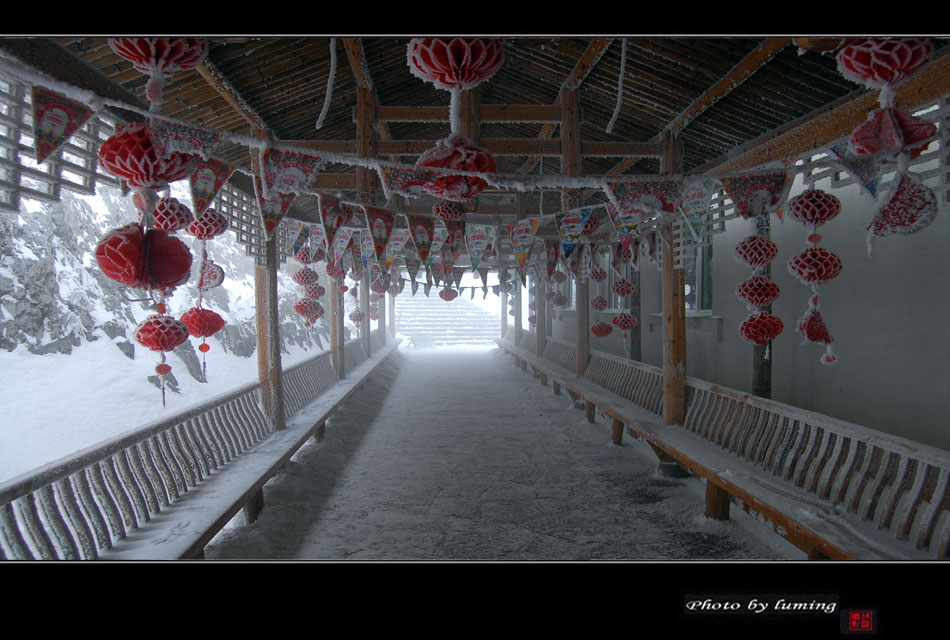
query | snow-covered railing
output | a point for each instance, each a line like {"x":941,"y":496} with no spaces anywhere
{"x":79,"y":507}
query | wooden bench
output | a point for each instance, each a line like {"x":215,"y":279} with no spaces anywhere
{"x":163,"y":491}
{"x":834,"y":489}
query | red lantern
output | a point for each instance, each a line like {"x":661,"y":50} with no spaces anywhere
{"x":305,"y":276}
{"x":210,"y":224}
{"x":760,"y":328}
{"x":597,"y":273}
{"x":559,"y":276}
{"x":456,"y":152}
{"x":160,"y":58}
{"x":456,"y":63}
{"x":559,"y":300}
{"x":624,"y":321}
{"x":303,"y":255}
{"x":448,"y":294}
{"x":171,"y":215}
{"x":758,"y":291}
{"x":129,"y":154}
{"x":161,"y":333}
{"x":756,"y":251}
{"x":150,"y":259}
{"x":814,"y":207}
{"x":357,"y":316}
{"x":601,"y":329}
{"x":202,"y":323}
{"x":309,"y":308}
{"x":314,"y":291}
{"x":877,"y":62}
{"x":379,"y":286}
{"x":532,"y":319}
{"x":335,"y":271}
{"x":447,"y":210}
{"x":599,"y":303}
{"x":623,"y":287}
{"x":815,"y":265}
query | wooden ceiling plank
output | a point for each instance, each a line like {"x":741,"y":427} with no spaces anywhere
{"x":217,"y":81}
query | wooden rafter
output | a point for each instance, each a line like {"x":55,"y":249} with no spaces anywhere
{"x":364,"y":80}
{"x":217,"y":81}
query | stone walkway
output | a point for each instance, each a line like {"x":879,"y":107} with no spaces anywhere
{"x":462,"y":456}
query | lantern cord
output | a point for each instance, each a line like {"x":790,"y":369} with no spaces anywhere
{"x":623,"y":63}
{"x":329,"y":95}
{"x":454,"y":108}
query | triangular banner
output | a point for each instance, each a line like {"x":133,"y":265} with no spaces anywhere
{"x":405,"y":181}
{"x":439,"y":236}
{"x":341,"y":242}
{"x":412,"y":267}
{"x":272,"y":208}
{"x":55,"y":120}
{"x":626,"y":222}
{"x":759,"y":193}
{"x":551,"y":255}
{"x":422,"y":230}
{"x":483,"y":273}
{"x":173,"y":137}
{"x":206,"y":182}
{"x":477,"y":239}
{"x":455,"y":239}
{"x":380,"y":224}
{"x":866,"y":170}
{"x":569,"y":227}
{"x":397,"y":240}
{"x":318,"y":241}
{"x":653,"y":196}
{"x":288,"y":172}
{"x":521,"y":236}
{"x":694,"y":204}
{"x":334,"y":214}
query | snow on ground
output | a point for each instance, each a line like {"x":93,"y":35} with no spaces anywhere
{"x":55,"y":404}
{"x":455,"y":454}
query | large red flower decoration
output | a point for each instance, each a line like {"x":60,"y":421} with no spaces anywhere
{"x":455,"y":63}
{"x":160,"y":58}
{"x":892,"y":131}
{"x":129,"y":154}
{"x":456,"y":152}
{"x":877,"y":62}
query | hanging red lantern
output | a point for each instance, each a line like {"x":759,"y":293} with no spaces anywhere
{"x":532,"y":319}
{"x":877,"y":62}
{"x":379,"y":286}
{"x":624,"y":321}
{"x":303,"y":255}
{"x":455,"y":63}
{"x":448,"y":294}
{"x":559,"y":276}
{"x":892,"y":131}
{"x":129,"y":154}
{"x":212,"y":276}
{"x":601,"y":329}
{"x":815,"y":265}
{"x":335,"y":271}
{"x":210,"y":224}
{"x":314,"y":291}
{"x":623,"y":287}
{"x":814,"y":207}
{"x":559,"y":300}
{"x":599,"y":303}
{"x":144,"y":259}
{"x":356,"y":316}
{"x":756,"y":251}
{"x":549,"y":296}
{"x":160,"y":58}
{"x":597,"y":273}
{"x":760,"y":328}
{"x":161,"y":333}
{"x":447,"y":210}
{"x":202,"y":323}
{"x":308,"y":308}
{"x":305,"y":276}
{"x":171,"y":215}
{"x":758,"y":291}
{"x":456,"y":152}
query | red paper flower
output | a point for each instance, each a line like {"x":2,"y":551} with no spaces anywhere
{"x":756,"y":251}
{"x":876,"y":62}
{"x":814,"y":207}
{"x":624,"y":321}
{"x":758,"y":291}
{"x":456,"y":152}
{"x":455,"y":63}
{"x":161,"y":333}
{"x":129,"y":154}
{"x":759,"y":328}
{"x":601,"y":329}
{"x":171,"y":215}
{"x":210,"y":224}
{"x":815,"y":265}
{"x":202,"y":323}
{"x":812,"y":327}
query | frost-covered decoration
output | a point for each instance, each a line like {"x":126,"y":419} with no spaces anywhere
{"x":305,"y":276}
{"x":318,"y":242}
{"x":160,"y":58}
{"x":624,"y":321}
{"x":570,"y":226}
{"x":208,"y":226}
{"x":397,"y":241}
{"x":329,"y":95}
{"x":761,"y":327}
{"x":212,"y":275}
{"x":357,"y":316}
{"x":909,"y":206}
{"x":694,"y":204}
{"x":171,"y":215}
{"x":405,"y":181}
{"x":423,"y":230}
{"x":758,"y":291}
{"x":130,"y":155}
{"x":161,"y":333}
{"x":367,"y":249}
{"x":652,"y":196}
{"x":521,"y":237}
{"x":288,"y":172}
{"x":454,"y":240}
{"x":599,"y":303}
{"x":478,"y":238}
{"x":439,"y":236}
{"x":144,"y":259}
{"x":889,"y":132}
{"x":202,"y":323}
{"x":815,"y":265}
{"x":551,"y":256}
{"x":457,"y":152}
{"x":335,"y":215}
{"x":592,"y":224}
{"x":55,"y":119}
{"x":619,"y":103}
{"x":597,"y":273}
{"x":447,"y":210}
{"x":879,"y":62}
{"x":174,"y":137}
{"x":206,"y":181}
{"x":756,"y":251}
{"x":272,"y":207}
{"x":341,"y":242}
{"x":812,"y":328}
{"x":380,"y":223}
{"x":559,"y":300}
{"x":626,"y":223}
{"x":601,"y":329}
{"x":623,"y":287}
{"x":758,"y":193}
{"x":865,"y":170}
{"x":448,"y":294}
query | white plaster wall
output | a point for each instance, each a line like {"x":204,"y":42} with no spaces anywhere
{"x":888,"y":314}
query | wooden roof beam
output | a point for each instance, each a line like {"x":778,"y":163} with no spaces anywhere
{"x":217,"y":81}
{"x":364,"y":80}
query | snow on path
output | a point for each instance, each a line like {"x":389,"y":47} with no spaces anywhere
{"x":462,"y":456}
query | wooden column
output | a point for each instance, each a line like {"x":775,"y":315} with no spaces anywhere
{"x":635,"y":343}
{"x":570,"y":199}
{"x":336,"y":328}
{"x":381,"y":325}
{"x":540,"y":315}
{"x":392,"y":316}
{"x":504,"y":314}
{"x":674,"y":339}
{"x":517,"y":306}
{"x":364,"y":309}
{"x":365,"y":142}
{"x":268,"y":337}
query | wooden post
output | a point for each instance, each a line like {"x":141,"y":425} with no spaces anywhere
{"x":571,"y":166}
{"x":617,"y":428}
{"x":589,"y":410}
{"x":762,"y":354}
{"x":392,"y":317}
{"x":504,"y":314}
{"x":635,"y":343}
{"x":268,"y":337}
{"x":674,"y":339}
{"x":540,"y":319}
{"x":336,"y":328}
{"x":364,"y":309}
{"x":517,"y":306}
{"x":381,"y":325}
{"x":253,"y":507}
{"x":717,"y":501}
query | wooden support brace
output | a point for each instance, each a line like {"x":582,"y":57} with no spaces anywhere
{"x":253,"y":507}
{"x":717,"y":501}
{"x":544,"y":378}
{"x":589,"y":410}
{"x":556,"y":387}
{"x":618,"y":428}
{"x":319,"y":432}
{"x":573,"y":395}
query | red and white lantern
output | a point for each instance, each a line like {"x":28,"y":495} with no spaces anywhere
{"x":160,"y":58}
